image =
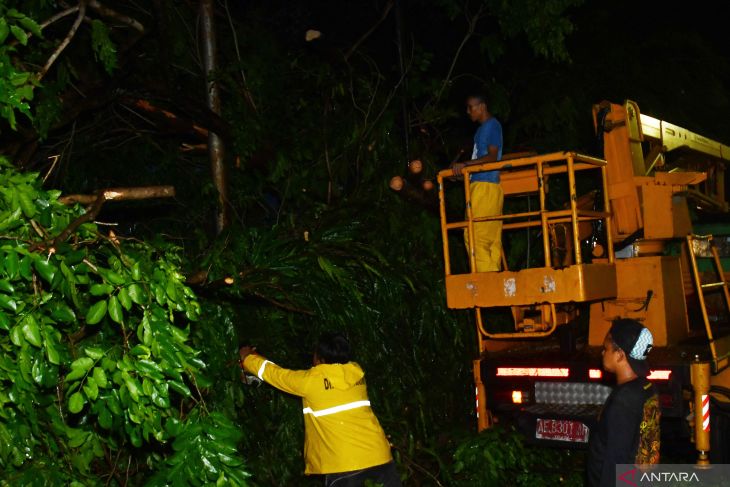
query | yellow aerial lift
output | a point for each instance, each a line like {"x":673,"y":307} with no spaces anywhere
{"x":606,"y":251}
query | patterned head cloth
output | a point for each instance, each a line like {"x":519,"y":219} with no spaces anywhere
{"x":635,"y":341}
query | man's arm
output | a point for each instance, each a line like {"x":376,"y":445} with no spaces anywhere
{"x":291,"y":381}
{"x":490,"y":157}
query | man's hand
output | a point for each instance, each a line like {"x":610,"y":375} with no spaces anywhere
{"x":245,"y":351}
{"x":457,"y":167}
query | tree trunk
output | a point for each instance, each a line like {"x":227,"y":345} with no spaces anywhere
{"x":215,"y":142}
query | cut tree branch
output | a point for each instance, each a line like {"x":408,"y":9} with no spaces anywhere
{"x":120,"y":194}
{"x":96,"y":201}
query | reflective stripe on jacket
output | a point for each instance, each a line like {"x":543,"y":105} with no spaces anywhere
{"x":341,"y":432}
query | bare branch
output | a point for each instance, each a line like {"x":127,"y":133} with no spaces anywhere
{"x":50,"y":20}
{"x":105,"y":11}
{"x":472,"y":22}
{"x":58,"y":17}
{"x":246,"y":91}
{"x":383,"y":16}
{"x":66,"y":40}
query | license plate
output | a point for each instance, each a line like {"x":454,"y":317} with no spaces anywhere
{"x":561,"y":430}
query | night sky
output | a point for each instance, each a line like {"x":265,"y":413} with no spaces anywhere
{"x":674,"y":60}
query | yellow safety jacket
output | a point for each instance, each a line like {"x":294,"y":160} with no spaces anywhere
{"x":341,"y":432}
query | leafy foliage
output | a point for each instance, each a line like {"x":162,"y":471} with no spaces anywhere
{"x":96,"y":366}
{"x":16,"y":85}
{"x":499,"y":456}
{"x":102,"y":45}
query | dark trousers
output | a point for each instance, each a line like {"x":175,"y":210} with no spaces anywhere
{"x":382,"y":474}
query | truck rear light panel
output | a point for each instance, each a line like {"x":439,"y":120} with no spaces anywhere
{"x":557,"y":372}
{"x":659,"y":375}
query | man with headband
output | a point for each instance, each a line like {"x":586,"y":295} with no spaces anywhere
{"x":628,"y":427}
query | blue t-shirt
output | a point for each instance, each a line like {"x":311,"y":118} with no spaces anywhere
{"x":488,"y":133}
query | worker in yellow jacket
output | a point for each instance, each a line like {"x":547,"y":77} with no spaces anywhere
{"x":343,"y":439}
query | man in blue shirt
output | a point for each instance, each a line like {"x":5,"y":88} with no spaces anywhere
{"x":486,"y":192}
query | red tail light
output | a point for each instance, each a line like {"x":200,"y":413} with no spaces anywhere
{"x":595,"y":373}
{"x":659,"y":374}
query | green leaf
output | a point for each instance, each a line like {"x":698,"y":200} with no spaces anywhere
{"x":31,"y":26}
{"x":75,"y":375}
{"x":136,"y":273}
{"x":171,"y":290}
{"x":78,"y":437}
{"x":19,"y":34}
{"x":63,"y":313}
{"x":6,"y":287}
{"x":45,"y":269}
{"x":91,"y":389}
{"x":104,"y":49}
{"x":115,"y":310}
{"x":112,"y":277}
{"x":137,"y":294}
{"x":13,"y":218}
{"x":149,"y":368}
{"x":179,"y":387}
{"x":24,"y":268}
{"x":14,"y":14}
{"x":101,"y":289}
{"x":159,"y":400}
{"x":95,"y":353}
{"x":4,"y":30}
{"x":96,"y":312}
{"x":83,"y":363}
{"x":11,"y":264}
{"x":138,"y":350}
{"x":19,"y":79}
{"x":76,"y":402}
{"x":135,"y":437}
{"x":4,"y":321}
{"x":132,"y":386}
{"x":159,"y":293}
{"x":8,"y":302}
{"x":105,"y":418}
{"x":52,"y":352}
{"x":113,"y":403}
{"x":26,"y":204}
{"x":124,"y":298}
{"x":100,"y":377}
{"x":148,"y":388}
{"x":31,"y":331}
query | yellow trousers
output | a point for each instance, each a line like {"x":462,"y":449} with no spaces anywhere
{"x":486,"y":200}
